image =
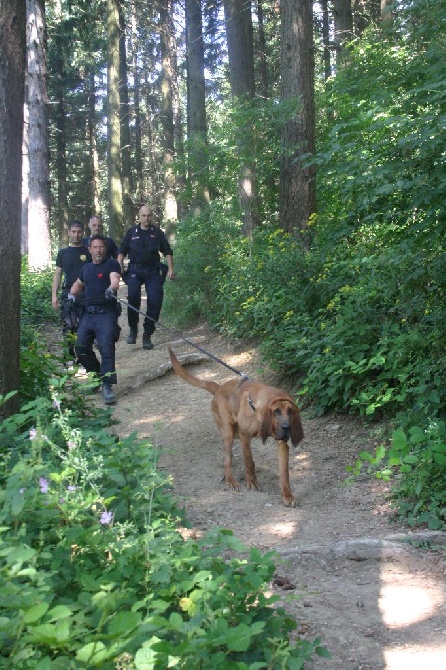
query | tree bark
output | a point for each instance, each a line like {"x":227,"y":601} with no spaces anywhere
{"x":92,"y":133}
{"x":326,"y":39}
{"x":126,"y":148}
{"x":39,"y":241}
{"x":196,"y":107}
{"x":297,"y":182}
{"x":170,"y":202}
{"x":116,"y":228}
{"x":12,"y":84}
{"x":261,"y":53}
{"x":239,"y":36}
{"x":136,"y":108}
{"x":60,"y":158}
{"x":343,"y":28}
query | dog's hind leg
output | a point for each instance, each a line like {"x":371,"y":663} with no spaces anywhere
{"x":283,"y":452}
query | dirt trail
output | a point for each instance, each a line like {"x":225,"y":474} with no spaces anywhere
{"x":377,"y":602}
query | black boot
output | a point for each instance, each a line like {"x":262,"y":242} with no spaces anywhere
{"x":131,"y":338}
{"x":108,"y":395}
{"x":146,"y":341}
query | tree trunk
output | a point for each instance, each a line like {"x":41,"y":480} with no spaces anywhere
{"x":326,"y":39}
{"x":60,"y":158}
{"x":261,"y":53}
{"x":170,"y":202}
{"x":297,"y":182}
{"x":115,"y":225}
{"x":12,"y":85}
{"x":239,"y":36}
{"x":39,"y":241}
{"x":93,"y":147}
{"x":136,"y":109}
{"x":196,"y":106}
{"x":386,"y":12}
{"x":343,"y":28}
{"x":126,"y":158}
{"x":365,"y":12}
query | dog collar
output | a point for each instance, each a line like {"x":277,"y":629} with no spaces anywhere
{"x":251,"y":404}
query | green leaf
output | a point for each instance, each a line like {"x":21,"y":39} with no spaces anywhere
{"x":239,"y":639}
{"x":399,"y":440}
{"x":416,"y":435}
{"x":59,"y":612}
{"x":380,"y":452}
{"x":17,"y":502}
{"x":35,"y":612}
{"x":123,"y":623}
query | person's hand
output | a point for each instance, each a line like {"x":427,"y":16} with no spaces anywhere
{"x":110,"y":293}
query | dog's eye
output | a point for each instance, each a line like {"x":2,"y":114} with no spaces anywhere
{"x":277,"y":412}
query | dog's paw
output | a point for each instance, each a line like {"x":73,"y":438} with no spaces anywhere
{"x":289,"y":501}
{"x":232,"y":483}
{"x":252,"y":484}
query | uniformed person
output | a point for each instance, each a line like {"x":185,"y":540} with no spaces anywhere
{"x":96,"y":228}
{"x":99,"y":280}
{"x":69,"y":262}
{"x":143,"y":244}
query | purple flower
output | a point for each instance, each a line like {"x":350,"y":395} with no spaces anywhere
{"x":106,"y":517}
{"x":71,"y":488}
{"x":44,"y":484}
{"x":71,"y":444}
{"x":32,"y":433}
{"x":56,"y":404}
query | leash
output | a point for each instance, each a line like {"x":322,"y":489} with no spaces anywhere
{"x":192,"y":344}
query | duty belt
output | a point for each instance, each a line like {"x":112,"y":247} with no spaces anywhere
{"x":98,"y":309}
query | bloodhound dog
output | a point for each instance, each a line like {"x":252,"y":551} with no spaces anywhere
{"x":247,"y":409}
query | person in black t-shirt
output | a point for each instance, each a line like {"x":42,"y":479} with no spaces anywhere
{"x":69,"y":262}
{"x":99,"y":283}
{"x":96,"y":228}
{"x":143,"y":244}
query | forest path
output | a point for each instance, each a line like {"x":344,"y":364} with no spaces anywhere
{"x":376,"y":601}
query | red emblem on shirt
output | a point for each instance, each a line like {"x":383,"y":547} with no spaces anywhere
{"x":100,"y":275}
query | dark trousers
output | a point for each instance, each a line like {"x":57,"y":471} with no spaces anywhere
{"x":69,"y":318}
{"x":102,"y":328}
{"x":153,"y":283}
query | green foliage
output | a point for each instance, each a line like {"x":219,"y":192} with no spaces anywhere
{"x":35,"y":301}
{"x":94,"y":570}
{"x":201,"y":241}
{"x":419,"y":458}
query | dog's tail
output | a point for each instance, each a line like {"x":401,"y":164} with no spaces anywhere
{"x":211,"y":387}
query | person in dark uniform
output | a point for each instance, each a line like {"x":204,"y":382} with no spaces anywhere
{"x":69,"y":262}
{"x":96,"y":228}
{"x":143,"y":244}
{"x":99,"y":280}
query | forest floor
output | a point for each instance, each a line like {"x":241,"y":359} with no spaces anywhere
{"x":366,"y":585}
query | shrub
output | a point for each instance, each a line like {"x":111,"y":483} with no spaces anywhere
{"x":96,"y":573}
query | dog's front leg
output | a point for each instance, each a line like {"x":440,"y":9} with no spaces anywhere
{"x":283,"y":452}
{"x":250,"y":468}
{"x":228,"y":442}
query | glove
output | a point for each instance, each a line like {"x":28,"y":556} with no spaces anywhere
{"x":110,"y":294}
{"x":71,"y":297}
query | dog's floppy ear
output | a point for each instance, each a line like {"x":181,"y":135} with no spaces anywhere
{"x":297,"y":432}
{"x":266,"y":429}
